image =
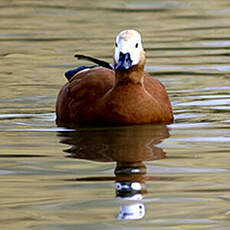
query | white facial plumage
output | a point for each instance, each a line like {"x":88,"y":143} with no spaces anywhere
{"x":128,"y":41}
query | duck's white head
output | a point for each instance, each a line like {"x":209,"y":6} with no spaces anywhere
{"x":128,"y":50}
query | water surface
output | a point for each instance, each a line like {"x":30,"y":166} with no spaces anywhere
{"x":161,"y":177}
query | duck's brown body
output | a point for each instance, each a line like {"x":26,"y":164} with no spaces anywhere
{"x":97,"y":96}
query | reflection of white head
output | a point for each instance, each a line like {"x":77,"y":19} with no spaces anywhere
{"x":128,"y":42}
{"x":131,"y":212}
{"x":130,"y":191}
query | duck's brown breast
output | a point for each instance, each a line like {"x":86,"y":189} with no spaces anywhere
{"x":132,"y":104}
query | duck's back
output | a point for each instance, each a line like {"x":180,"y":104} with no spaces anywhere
{"x":77,"y":99}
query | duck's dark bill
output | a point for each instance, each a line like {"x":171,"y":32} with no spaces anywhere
{"x":125,"y":62}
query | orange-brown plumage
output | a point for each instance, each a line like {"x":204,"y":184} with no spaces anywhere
{"x":103,"y":96}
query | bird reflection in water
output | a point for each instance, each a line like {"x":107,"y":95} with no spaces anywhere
{"x":129,"y":147}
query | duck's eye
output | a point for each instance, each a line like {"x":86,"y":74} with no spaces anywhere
{"x":116,"y":44}
{"x":136,"y":45}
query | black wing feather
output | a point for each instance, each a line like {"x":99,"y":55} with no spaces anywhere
{"x":94,"y":60}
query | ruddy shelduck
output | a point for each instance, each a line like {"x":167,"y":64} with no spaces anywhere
{"x":122,"y":95}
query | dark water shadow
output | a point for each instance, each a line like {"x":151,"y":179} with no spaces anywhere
{"x":129,"y":147}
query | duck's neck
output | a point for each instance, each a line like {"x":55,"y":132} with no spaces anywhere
{"x":134,"y":75}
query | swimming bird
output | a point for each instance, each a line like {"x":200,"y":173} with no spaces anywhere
{"x":122,"y":94}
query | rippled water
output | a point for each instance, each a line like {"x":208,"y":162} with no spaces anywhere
{"x":174,"y":177}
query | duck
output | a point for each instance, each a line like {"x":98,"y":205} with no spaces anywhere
{"x":118,"y":94}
